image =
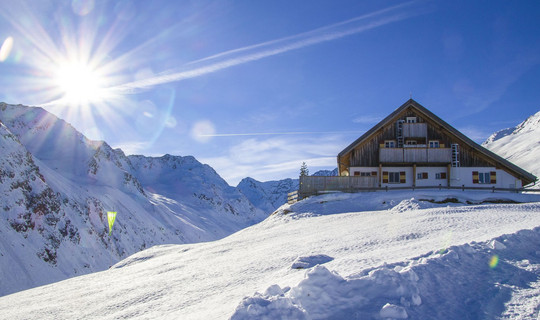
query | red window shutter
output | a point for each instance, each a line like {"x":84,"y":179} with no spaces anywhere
{"x":373,"y":173}
{"x":475,"y":177}
{"x":357,"y":173}
{"x":443,"y":175}
{"x":424,"y":175}
{"x":493,"y":177}
{"x":385,"y":177}
{"x":402,"y":177}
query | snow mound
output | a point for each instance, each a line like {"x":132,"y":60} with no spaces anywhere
{"x":310,"y":261}
{"x":435,"y":286}
{"x":392,"y":311}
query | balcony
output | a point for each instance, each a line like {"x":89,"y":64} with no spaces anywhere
{"x":415,"y":155}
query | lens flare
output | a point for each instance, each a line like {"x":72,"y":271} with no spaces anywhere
{"x":5,"y":50}
{"x":494,"y":261}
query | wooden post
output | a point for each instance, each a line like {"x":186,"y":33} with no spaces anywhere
{"x":414,"y":175}
{"x":380,"y":175}
{"x":448,"y":168}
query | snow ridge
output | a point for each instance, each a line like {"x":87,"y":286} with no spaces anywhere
{"x":520,"y":144}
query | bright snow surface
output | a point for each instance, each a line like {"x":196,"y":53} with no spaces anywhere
{"x":382,"y":255}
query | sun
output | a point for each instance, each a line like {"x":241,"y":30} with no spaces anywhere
{"x":79,"y":83}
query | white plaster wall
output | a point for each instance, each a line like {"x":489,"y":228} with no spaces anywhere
{"x":431,"y":181}
{"x":363,"y":169}
{"x":463,"y":176}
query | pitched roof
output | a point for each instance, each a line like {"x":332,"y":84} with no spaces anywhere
{"x":517,"y":171}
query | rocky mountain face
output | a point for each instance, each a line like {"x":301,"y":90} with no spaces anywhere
{"x":270,"y":195}
{"x":520,"y":144}
{"x":56,"y":187}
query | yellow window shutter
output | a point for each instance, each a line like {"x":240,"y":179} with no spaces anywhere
{"x":475,"y":177}
{"x":493,"y":176}
{"x":402,"y":177}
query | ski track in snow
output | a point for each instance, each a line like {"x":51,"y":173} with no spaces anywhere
{"x":412,"y":258}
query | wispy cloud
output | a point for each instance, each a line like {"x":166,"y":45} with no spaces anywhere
{"x":270,"y":48}
{"x":265,"y":158}
{"x":276,"y":133}
{"x":367,"y":119}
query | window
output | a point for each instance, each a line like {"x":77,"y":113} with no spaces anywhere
{"x":393,"y":177}
{"x":411,"y":119}
{"x":365,"y":174}
{"x":389,"y":144}
{"x":422,"y":175}
{"x":410,"y":142}
{"x":484,"y":177}
{"x":434,"y":144}
{"x":441,"y":175}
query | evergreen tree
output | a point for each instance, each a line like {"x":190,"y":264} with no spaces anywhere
{"x":304,"y":170}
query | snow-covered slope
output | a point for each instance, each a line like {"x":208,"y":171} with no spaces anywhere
{"x":421,"y":255}
{"x":268,"y":195}
{"x":56,"y":187}
{"x":519,"y":145}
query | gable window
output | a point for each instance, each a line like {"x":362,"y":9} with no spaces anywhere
{"x":389,"y":144}
{"x":434,"y":144}
{"x":411,"y":119}
{"x":410,"y":142}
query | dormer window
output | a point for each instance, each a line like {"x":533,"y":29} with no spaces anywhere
{"x":411,"y":119}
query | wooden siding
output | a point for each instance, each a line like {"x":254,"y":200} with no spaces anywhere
{"x":415,"y":130}
{"x":313,"y":184}
{"x":369,"y":153}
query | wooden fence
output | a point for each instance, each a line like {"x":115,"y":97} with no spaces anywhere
{"x":292,"y":197}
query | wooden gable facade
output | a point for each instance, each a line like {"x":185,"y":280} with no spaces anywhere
{"x":412,"y":146}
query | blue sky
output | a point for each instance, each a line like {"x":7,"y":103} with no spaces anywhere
{"x":254,"y":88}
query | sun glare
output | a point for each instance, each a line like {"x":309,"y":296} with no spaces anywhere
{"x":78,"y":83}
